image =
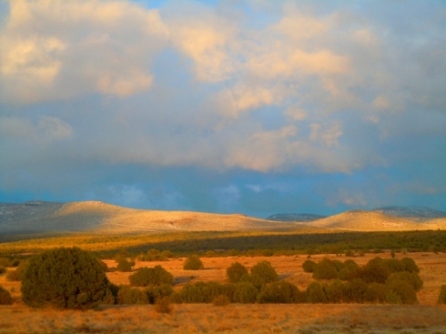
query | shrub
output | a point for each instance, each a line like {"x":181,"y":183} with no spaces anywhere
{"x":442,"y":296}
{"x":355,"y":291}
{"x":155,"y":292}
{"x":124,"y":265}
{"x":334,"y":292}
{"x":308,"y":266}
{"x":5,"y":297}
{"x":411,"y":278}
{"x":221,"y":300}
{"x":315,"y":293}
{"x":156,"y":276}
{"x":400,"y":292}
{"x":15,"y":263}
{"x":376,"y":293}
{"x":64,"y":278}
{"x":162,"y":305}
{"x":265,"y":271}
{"x":235,"y":272}
{"x":254,"y":279}
{"x":375,"y":271}
{"x":16,"y":275}
{"x":4,"y":262}
{"x":193,"y":262}
{"x":2,"y":270}
{"x":245,"y":292}
{"x":129,"y":295}
{"x":410,"y":265}
{"x":279,"y":292}
{"x":394,"y":265}
{"x":325,"y":269}
{"x":205,"y":292}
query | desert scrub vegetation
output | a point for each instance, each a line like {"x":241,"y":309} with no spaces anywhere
{"x":193,"y":262}
{"x":235,"y":272}
{"x":5,"y":297}
{"x":64,"y":278}
{"x":150,"y":276}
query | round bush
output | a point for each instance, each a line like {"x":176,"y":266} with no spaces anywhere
{"x":403,"y":291}
{"x":245,"y":293}
{"x":124,"y":265}
{"x":335,"y":292}
{"x":375,"y":271}
{"x":376,"y":293}
{"x":279,"y":292}
{"x":193,"y":262}
{"x":410,"y":265}
{"x":315,"y":293}
{"x":325,"y":269}
{"x":156,"y":276}
{"x":128,"y":295}
{"x":16,"y":275}
{"x":235,"y":272}
{"x":64,"y":278}
{"x":265,"y":271}
{"x":5,"y":297}
{"x":355,"y":291}
{"x":308,"y":266}
{"x":411,"y":278}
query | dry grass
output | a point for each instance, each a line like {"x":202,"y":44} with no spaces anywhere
{"x":237,"y":318}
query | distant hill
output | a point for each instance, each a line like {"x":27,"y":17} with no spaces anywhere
{"x":99,"y":217}
{"x":295,"y":217}
{"x":417,"y":213}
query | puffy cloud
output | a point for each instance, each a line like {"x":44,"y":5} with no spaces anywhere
{"x":58,"y":49}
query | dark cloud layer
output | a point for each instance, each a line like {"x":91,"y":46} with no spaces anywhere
{"x":255,"y":107}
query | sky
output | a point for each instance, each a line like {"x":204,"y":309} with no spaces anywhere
{"x":250,"y":106}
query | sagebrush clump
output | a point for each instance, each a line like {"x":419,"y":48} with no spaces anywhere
{"x":193,"y":262}
{"x":64,"y":278}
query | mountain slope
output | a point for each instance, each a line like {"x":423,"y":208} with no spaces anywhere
{"x":294,"y":217}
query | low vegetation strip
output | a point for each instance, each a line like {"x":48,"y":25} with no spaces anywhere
{"x":192,"y":242}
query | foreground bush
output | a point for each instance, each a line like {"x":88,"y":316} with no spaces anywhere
{"x":162,"y":305}
{"x":326,"y":269}
{"x":128,"y":295}
{"x":245,"y":292}
{"x":64,"y":278}
{"x":156,"y":276}
{"x":193,"y":262}
{"x":155,"y":292}
{"x":308,"y":266}
{"x":5,"y":297}
{"x":17,"y":274}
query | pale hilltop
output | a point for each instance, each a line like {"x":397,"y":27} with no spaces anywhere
{"x":99,"y":217}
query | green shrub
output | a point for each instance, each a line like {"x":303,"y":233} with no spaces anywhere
{"x":376,"y":293}
{"x":355,"y":291}
{"x":17,"y":274}
{"x":325,"y":269}
{"x":124,"y":265}
{"x":205,"y":292}
{"x":308,"y":266}
{"x":375,"y":271}
{"x":402,"y":290}
{"x":254,"y":279}
{"x":235,"y":272}
{"x":156,"y":276}
{"x":5,"y":297}
{"x":394,"y":265}
{"x":442,"y":296}
{"x":64,"y":278}
{"x":15,"y":263}
{"x":410,"y":265}
{"x":130,"y":296}
{"x":155,"y":292}
{"x":193,"y":262}
{"x":265,"y":271}
{"x":334,"y":292}
{"x":279,"y":292}
{"x":413,"y":279}
{"x":245,"y":292}
{"x":315,"y":293}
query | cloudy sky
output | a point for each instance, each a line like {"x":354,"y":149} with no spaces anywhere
{"x":252,"y":106}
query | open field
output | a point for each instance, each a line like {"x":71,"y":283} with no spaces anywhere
{"x":427,"y":317}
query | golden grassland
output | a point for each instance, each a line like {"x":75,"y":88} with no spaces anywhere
{"x":426,"y":317}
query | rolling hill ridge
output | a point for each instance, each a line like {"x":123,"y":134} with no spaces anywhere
{"x":99,"y":217}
